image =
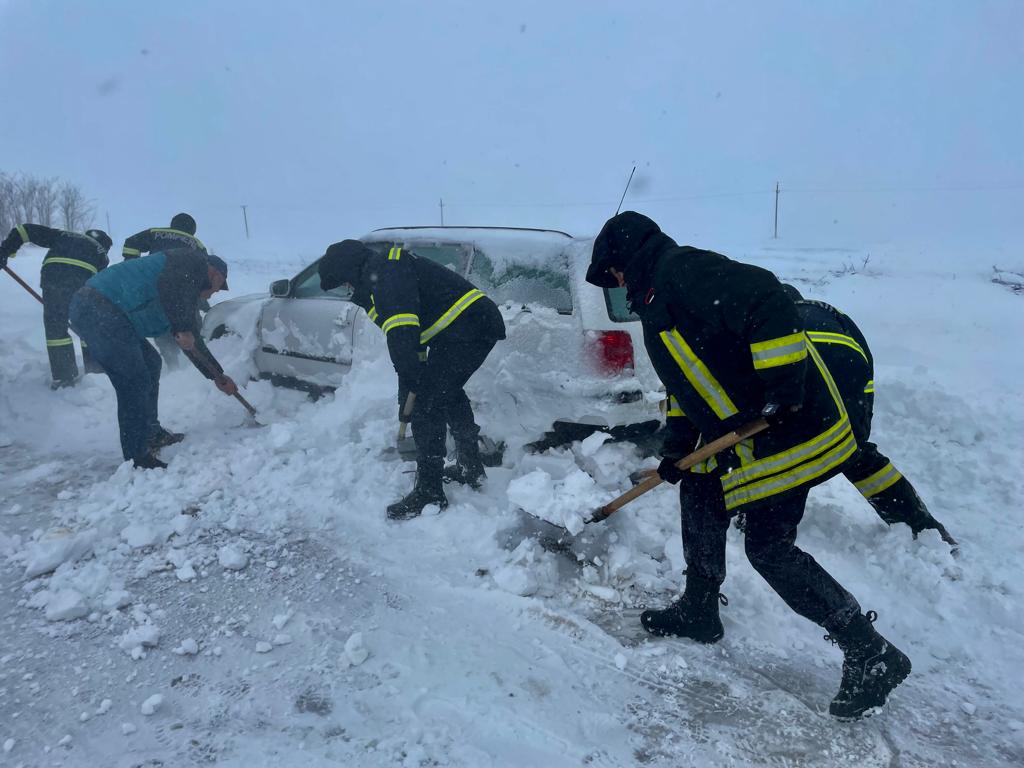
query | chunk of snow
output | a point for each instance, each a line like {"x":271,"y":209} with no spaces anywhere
{"x":65,"y":605}
{"x":104,"y":707}
{"x":144,"y":635}
{"x":620,"y":661}
{"x":186,"y":572}
{"x":968,"y":707}
{"x":281,"y":619}
{"x":55,"y":548}
{"x":355,"y":650}
{"x":116,"y":598}
{"x":128,"y":728}
{"x":137,"y":535}
{"x":8,"y":745}
{"x":590,"y":445}
{"x":517,"y":580}
{"x":152,"y":704}
{"x":281,"y":639}
{"x":264,"y":647}
{"x":188,"y":647}
{"x":65,"y":740}
{"x":562,"y":502}
{"x":232,"y":558}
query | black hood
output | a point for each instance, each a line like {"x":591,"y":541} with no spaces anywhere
{"x":623,"y":239}
{"x":343,"y":263}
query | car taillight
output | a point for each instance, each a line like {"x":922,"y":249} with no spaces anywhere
{"x":612,"y":350}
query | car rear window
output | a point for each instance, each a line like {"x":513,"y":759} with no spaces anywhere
{"x":524,"y":283}
{"x":618,"y":309}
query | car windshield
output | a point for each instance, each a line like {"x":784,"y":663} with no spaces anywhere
{"x":524,"y":283}
{"x":307,"y":285}
{"x":618,"y":308}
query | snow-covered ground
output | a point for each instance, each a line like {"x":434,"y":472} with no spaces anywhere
{"x":252,"y":606}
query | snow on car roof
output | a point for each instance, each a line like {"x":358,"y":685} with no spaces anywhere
{"x":503,"y":245}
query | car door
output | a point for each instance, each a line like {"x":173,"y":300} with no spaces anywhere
{"x":308,"y":335}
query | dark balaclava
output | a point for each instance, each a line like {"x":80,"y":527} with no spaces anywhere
{"x":622,"y":237}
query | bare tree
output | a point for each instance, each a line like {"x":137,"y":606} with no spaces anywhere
{"x":48,"y":202}
{"x":76,"y":209}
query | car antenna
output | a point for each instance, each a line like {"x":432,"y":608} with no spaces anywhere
{"x":625,"y":190}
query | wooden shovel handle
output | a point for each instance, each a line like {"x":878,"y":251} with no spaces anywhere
{"x":410,"y":401}
{"x":724,"y":442}
{"x":23,"y":284}
{"x":210,"y":370}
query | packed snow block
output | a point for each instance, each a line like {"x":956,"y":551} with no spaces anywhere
{"x":232,"y":558}
{"x":562,"y":502}
{"x":355,"y":650}
{"x":56,"y":548}
{"x":143,"y":636}
{"x":138,"y":536}
{"x":66,"y":605}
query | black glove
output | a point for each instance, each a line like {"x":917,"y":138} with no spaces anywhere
{"x":776,"y":415}
{"x":669,"y":472}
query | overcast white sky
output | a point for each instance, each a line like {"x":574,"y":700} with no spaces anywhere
{"x":884,"y":121}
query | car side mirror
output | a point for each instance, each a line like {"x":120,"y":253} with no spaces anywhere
{"x":281,"y":288}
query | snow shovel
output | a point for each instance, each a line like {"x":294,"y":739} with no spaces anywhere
{"x":654,"y":480}
{"x":208,"y":367}
{"x":404,"y":447}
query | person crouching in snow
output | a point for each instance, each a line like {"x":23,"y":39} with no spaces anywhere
{"x":440,"y":329}
{"x":729,"y":345}
{"x":115,"y":313}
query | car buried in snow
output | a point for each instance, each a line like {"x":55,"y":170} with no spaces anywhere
{"x":573,"y":359}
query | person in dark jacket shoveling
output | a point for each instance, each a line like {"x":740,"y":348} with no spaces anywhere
{"x":729,"y":345}
{"x":440,"y":329}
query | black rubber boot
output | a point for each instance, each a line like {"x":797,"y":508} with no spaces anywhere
{"x":694,"y":615}
{"x":149,"y":461}
{"x":872,"y":667}
{"x":428,"y":490}
{"x":163,"y":438}
{"x":468,"y":468}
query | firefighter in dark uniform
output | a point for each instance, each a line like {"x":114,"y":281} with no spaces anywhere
{"x":729,"y":345}
{"x":846,"y":354}
{"x":440,"y":329}
{"x":181,"y":234}
{"x":72,"y":259}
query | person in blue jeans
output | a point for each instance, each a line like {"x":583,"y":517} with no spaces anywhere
{"x":119,"y":309}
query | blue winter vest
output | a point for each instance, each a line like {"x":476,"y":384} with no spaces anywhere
{"x":132,"y":287}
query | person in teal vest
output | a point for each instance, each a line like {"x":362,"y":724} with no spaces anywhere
{"x":119,"y":309}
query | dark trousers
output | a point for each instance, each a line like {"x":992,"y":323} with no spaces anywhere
{"x":770,"y":543}
{"x":441,"y":399}
{"x":129,"y":360}
{"x":59,"y":283}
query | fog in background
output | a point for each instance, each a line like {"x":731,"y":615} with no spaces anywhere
{"x":885,"y":123}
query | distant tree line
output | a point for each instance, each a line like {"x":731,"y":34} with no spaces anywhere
{"x":50,"y":202}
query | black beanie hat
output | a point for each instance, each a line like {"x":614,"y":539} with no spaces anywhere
{"x":342,"y":263}
{"x":184,"y":223}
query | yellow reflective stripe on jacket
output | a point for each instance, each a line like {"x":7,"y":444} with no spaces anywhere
{"x":23,"y":232}
{"x":781,"y":351}
{"x":698,"y":375}
{"x":674,"y":408}
{"x":70,"y":262}
{"x":822,"y":337}
{"x":879,"y":481}
{"x":126,"y":251}
{"x":449,"y":317}
{"x":59,"y":342}
{"x":798,"y":476}
{"x":397,"y":321}
{"x":372,"y":314}
{"x":870,"y":387}
{"x":785,"y":460}
{"x":745,"y":451}
{"x":394,"y":254}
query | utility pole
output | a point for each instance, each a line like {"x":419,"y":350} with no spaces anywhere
{"x":245,"y":217}
{"x":776,"y":235}
{"x":441,"y":205}
{"x":108,"y":222}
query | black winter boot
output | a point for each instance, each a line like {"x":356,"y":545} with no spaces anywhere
{"x":872,"y":667}
{"x":694,"y":615}
{"x":468,"y":468}
{"x":149,"y":461}
{"x":428,"y":490}
{"x":163,"y":438}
